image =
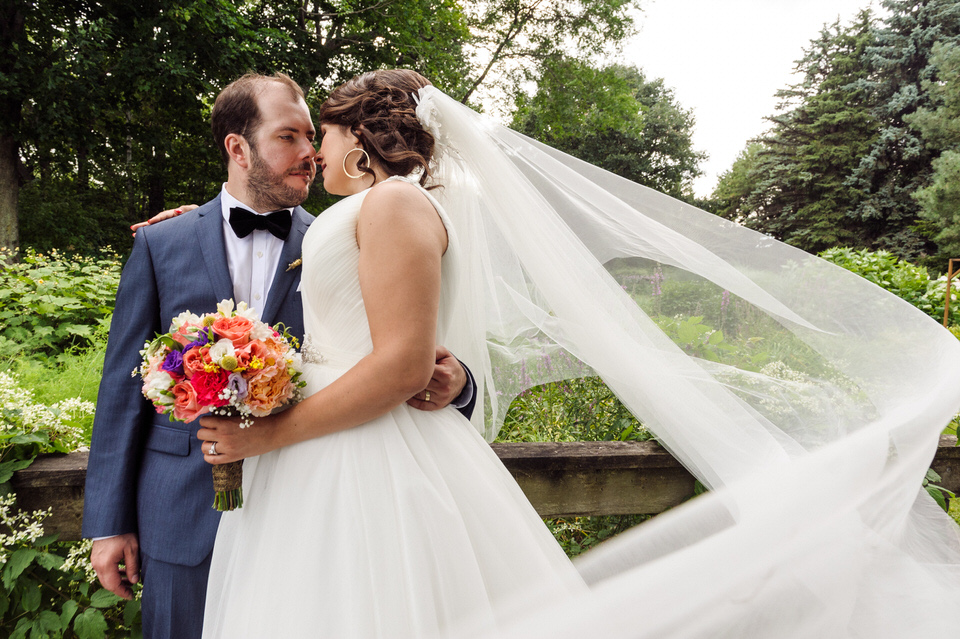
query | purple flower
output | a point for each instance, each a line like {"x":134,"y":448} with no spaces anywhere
{"x":202,"y":339}
{"x":173,"y":363}
{"x":237,"y":383}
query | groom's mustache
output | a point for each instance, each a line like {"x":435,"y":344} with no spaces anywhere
{"x":308,"y":167}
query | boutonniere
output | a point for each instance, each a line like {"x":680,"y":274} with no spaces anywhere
{"x":294,"y":264}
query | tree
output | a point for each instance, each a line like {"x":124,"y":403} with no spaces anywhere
{"x":939,"y":126}
{"x":102,"y":94}
{"x":112,"y":100}
{"x":731,"y":197}
{"x":512,"y":38}
{"x":898,"y":162}
{"x":614,"y":118}
{"x":793,"y":182}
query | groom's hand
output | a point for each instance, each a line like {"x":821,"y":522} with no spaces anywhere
{"x":106,"y":557}
{"x":447,"y":383}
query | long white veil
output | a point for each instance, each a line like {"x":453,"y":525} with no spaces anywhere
{"x":814,"y":434}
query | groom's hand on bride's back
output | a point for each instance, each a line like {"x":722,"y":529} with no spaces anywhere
{"x":163,"y":215}
{"x":447,"y":383}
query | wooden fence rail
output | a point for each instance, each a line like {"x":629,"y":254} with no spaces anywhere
{"x":578,"y":478}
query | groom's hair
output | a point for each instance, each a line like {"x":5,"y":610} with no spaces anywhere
{"x":235,"y":109}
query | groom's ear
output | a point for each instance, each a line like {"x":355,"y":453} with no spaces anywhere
{"x":238,"y":149}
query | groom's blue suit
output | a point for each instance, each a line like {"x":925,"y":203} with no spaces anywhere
{"x":146,"y":474}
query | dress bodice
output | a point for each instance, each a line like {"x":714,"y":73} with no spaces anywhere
{"x":335,"y":319}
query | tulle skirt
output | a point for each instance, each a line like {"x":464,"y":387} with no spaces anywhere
{"x":407,"y":526}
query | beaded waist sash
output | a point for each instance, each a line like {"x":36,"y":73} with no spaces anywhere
{"x":313,"y":353}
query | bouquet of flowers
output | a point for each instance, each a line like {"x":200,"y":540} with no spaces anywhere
{"x":226,"y":363}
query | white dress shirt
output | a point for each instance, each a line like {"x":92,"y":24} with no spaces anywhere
{"x":252,"y":260}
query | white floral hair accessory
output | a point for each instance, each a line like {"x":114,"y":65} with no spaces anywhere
{"x":429,"y":117}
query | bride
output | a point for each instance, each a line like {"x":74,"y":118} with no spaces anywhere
{"x":395,"y":522}
{"x":813,"y":436}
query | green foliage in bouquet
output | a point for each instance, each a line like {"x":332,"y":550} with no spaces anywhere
{"x":50,"y":303}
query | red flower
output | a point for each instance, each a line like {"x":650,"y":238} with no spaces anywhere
{"x":208,"y":387}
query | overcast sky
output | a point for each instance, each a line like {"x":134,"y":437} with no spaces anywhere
{"x":725,"y":59}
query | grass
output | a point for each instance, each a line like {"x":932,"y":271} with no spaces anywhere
{"x":76,"y":374}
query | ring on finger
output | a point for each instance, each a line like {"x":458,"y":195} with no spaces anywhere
{"x":426,"y":396}
{"x":213,"y":448}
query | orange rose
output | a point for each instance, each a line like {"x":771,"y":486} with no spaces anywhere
{"x":268,"y":389}
{"x":186,"y":334}
{"x":248,"y":351}
{"x":185,"y":404}
{"x":236,"y":329}
{"x":193,"y":361}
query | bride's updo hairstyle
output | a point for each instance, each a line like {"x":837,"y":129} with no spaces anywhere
{"x":379,"y":108}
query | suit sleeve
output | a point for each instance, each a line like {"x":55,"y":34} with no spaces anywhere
{"x":466,"y":401}
{"x":122,"y":416}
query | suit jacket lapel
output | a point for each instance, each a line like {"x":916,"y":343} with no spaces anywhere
{"x":210,"y":236}
{"x":285,"y":277}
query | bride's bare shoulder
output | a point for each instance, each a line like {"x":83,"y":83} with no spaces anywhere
{"x":400,"y":204}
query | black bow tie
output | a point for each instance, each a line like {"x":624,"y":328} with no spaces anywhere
{"x":245,"y":222}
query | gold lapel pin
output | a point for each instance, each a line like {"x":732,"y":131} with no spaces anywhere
{"x":294,"y":264}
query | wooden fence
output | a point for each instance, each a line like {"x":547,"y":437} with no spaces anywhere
{"x":579,"y":478}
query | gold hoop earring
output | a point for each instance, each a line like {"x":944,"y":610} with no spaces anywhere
{"x":366,"y":157}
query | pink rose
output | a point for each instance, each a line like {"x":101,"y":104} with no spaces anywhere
{"x":208,"y":387}
{"x":185,"y":404}
{"x":248,"y":351}
{"x":186,"y":334}
{"x":236,"y":329}
{"x":268,"y":389}
{"x":193,"y":361}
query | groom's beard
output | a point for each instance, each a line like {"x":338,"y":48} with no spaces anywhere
{"x":267,"y":188}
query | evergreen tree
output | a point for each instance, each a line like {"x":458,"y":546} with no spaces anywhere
{"x":939,"y":126}
{"x":792,"y":183}
{"x":731,"y":197}
{"x":898,"y":162}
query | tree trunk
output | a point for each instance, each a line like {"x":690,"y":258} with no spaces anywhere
{"x":11,"y":33}
{"x":9,"y":191}
{"x":156,"y":182}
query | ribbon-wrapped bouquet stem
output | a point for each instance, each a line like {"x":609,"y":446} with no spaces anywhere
{"x":226,"y":363}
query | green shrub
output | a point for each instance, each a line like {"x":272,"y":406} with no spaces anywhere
{"x":583,"y":409}
{"x":578,"y":534}
{"x":906,"y":281}
{"x":52,"y":303}
{"x":47,"y":589}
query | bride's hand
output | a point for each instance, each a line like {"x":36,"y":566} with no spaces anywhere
{"x":231,"y":442}
{"x":163,"y":215}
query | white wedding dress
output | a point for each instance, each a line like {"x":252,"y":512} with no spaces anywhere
{"x":815,"y":524}
{"x":406,"y":526}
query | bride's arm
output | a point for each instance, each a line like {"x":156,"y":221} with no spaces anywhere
{"x":401,"y":241}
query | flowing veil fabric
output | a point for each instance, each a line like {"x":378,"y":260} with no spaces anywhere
{"x":814,"y":436}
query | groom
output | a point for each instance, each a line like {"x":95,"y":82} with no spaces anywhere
{"x":149,"y":492}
